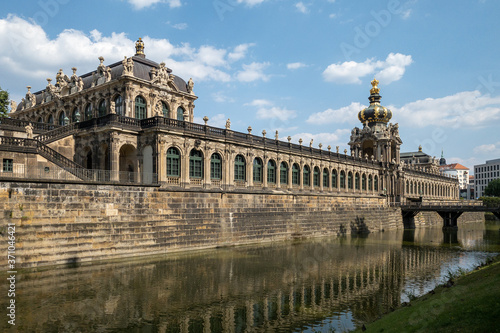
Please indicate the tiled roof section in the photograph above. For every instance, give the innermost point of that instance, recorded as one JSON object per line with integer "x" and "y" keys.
{"x": 454, "y": 166}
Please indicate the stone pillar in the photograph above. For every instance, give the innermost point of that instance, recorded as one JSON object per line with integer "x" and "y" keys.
{"x": 264, "y": 172}
{"x": 114, "y": 158}
{"x": 321, "y": 171}
{"x": 185, "y": 168}
{"x": 278, "y": 173}
{"x": 249, "y": 171}
{"x": 206, "y": 169}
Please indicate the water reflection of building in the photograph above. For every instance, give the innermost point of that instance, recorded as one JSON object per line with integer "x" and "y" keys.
{"x": 270, "y": 288}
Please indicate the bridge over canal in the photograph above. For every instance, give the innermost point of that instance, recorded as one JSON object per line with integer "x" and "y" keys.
{"x": 449, "y": 211}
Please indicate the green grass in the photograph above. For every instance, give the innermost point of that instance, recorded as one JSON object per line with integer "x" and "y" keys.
{"x": 472, "y": 304}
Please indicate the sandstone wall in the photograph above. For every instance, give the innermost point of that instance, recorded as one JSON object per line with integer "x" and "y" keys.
{"x": 67, "y": 223}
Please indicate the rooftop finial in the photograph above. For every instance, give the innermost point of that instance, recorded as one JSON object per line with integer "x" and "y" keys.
{"x": 420, "y": 148}
{"x": 375, "y": 89}
{"x": 139, "y": 48}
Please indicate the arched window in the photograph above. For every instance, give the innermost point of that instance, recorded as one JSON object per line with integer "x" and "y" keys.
{"x": 164, "y": 108}
{"x": 356, "y": 181}
{"x": 316, "y": 176}
{"x": 375, "y": 183}
{"x": 239, "y": 168}
{"x": 196, "y": 164}
{"x": 173, "y": 162}
{"x": 411, "y": 187}
{"x": 102, "y": 108}
{"x": 60, "y": 121}
{"x": 283, "y": 173}
{"x": 325, "y": 178}
{"x": 342, "y": 179}
{"x": 295, "y": 174}
{"x": 180, "y": 113}
{"x": 75, "y": 115}
{"x": 334, "y": 178}
{"x": 88, "y": 112}
{"x": 307, "y": 176}
{"x": 271, "y": 172}
{"x": 50, "y": 120}
{"x": 349, "y": 180}
{"x": 216, "y": 167}
{"x": 257, "y": 170}
{"x": 363, "y": 182}
{"x": 40, "y": 120}
{"x": 140, "y": 107}
{"x": 407, "y": 187}
{"x": 119, "y": 105}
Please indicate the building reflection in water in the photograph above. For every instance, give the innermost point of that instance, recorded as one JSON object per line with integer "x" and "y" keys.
{"x": 324, "y": 283}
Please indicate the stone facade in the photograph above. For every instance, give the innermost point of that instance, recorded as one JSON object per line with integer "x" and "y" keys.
{"x": 63, "y": 223}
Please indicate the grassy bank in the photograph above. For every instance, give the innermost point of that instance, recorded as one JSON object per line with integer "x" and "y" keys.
{"x": 471, "y": 303}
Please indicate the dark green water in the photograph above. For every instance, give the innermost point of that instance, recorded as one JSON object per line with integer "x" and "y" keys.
{"x": 320, "y": 285}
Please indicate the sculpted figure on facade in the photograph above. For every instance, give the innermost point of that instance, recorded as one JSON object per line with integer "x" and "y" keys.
{"x": 30, "y": 98}
{"x": 158, "y": 108}
{"x": 228, "y": 123}
{"x": 13, "y": 105}
{"x": 62, "y": 79}
{"x": 128, "y": 66}
{"x": 190, "y": 86}
{"x": 29, "y": 131}
{"x": 79, "y": 84}
{"x": 112, "y": 107}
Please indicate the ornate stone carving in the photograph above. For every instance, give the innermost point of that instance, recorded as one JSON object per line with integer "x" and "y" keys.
{"x": 128, "y": 66}
{"x": 30, "y": 100}
{"x": 190, "y": 86}
{"x": 112, "y": 107}
{"x": 228, "y": 124}
{"x": 29, "y": 131}
{"x": 13, "y": 105}
{"x": 161, "y": 75}
{"x": 62, "y": 79}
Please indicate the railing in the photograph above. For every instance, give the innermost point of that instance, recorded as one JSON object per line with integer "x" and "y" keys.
{"x": 58, "y": 133}
{"x": 16, "y": 124}
{"x": 92, "y": 176}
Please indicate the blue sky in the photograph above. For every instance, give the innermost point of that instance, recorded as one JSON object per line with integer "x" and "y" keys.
{"x": 301, "y": 67}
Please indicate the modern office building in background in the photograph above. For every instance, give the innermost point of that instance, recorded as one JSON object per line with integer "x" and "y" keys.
{"x": 484, "y": 174}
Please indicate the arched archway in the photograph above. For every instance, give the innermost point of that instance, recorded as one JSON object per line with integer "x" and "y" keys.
{"x": 128, "y": 163}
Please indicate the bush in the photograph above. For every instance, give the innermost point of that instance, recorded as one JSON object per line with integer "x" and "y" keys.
{"x": 490, "y": 201}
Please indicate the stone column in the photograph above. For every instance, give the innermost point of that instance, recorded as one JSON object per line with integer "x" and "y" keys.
{"x": 264, "y": 172}
{"x": 206, "y": 169}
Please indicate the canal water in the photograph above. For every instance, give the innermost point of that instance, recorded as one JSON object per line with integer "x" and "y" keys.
{"x": 320, "y": 285}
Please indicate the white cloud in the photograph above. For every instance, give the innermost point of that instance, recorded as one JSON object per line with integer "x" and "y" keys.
{"x": 346, "y": 114}
{"x": 260, "y": 102}
{"x": 253, "y": 72}
{"x": 274, "y": 112}
{"x": 295, "y": 65}
{"x": 239, "y": 52}
{"x": 488, "y": 149}
{"x": 180, "y": 26}
{"x": 251, "y": 3}
{"x": 29, "y": 55}
{"x": 218, "y": 120}
{"x": 220, "y": 97}
{"x": 390, "y": 70}
{"x": 301, "y": 7}
{"x": 141, "y": 4}
{"x": 337, "y": 138}
{"x": 465, "y": 109}
{"x": 267, "y": 110}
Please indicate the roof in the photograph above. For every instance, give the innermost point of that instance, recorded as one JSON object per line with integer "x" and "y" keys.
{"x": 142, "y": 69}
{"x": 454, "y": 166}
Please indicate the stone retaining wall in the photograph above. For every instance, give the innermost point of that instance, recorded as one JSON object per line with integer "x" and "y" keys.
{"x": 67, "y": 223}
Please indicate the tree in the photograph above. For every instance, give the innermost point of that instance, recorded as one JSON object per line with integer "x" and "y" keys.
{"x": 493, "y": 188}
{"x": 4, "y": 103}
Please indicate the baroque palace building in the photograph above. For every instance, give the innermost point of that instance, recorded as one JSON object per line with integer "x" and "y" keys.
{"x": 132, "y": 121}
